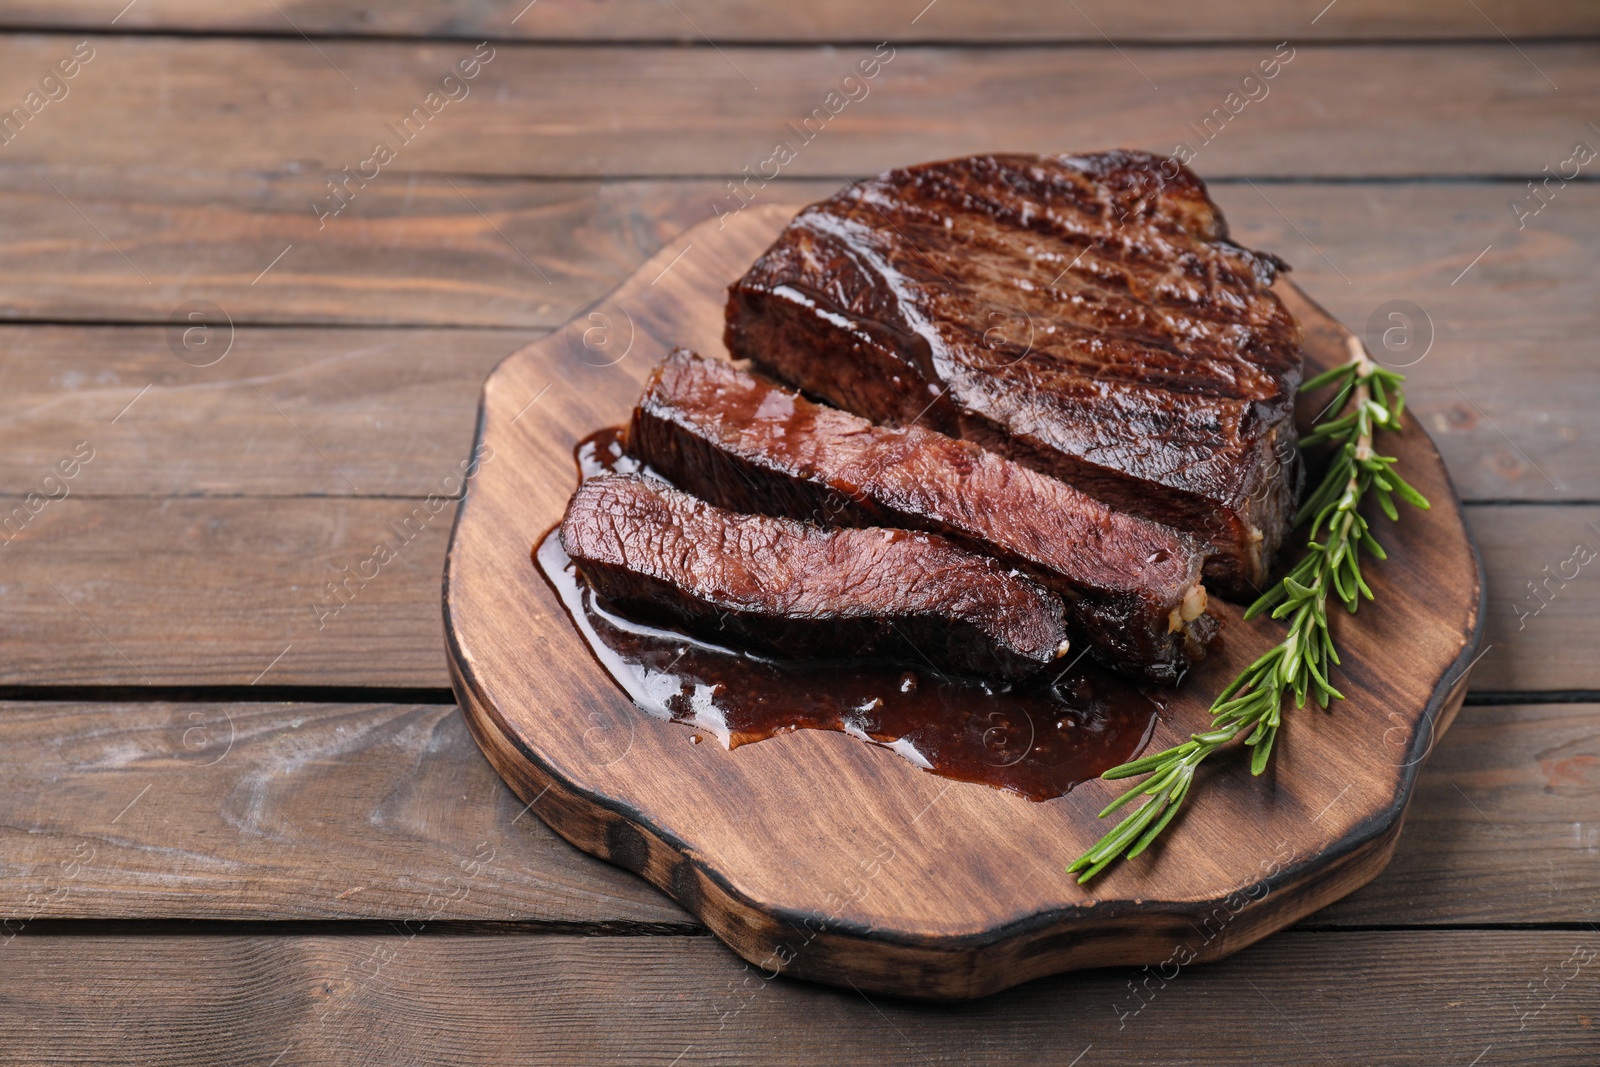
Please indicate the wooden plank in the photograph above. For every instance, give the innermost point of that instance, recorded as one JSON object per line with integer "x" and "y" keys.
{"x": 1370, "y": 998}
{"x": 258, "y": 104}
{"x": 1441, "y": 282}
{"x": 1542, "y": 610}
{"x": 1496, "y": 389}
{"x": 1497, "y": 831}
{"x": 414, "y": 250}
{"x": 282, "y": 811}
{"x": 228, "y": 592}
{"x": 418, "y": 253}
{"x": 966, "y": 21}
{"x": 210, "y": 591}
{"x": 279, "y": 412}
{"x": 317, "y": 811}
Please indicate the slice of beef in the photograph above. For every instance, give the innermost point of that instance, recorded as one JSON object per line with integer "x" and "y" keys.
{"x": 1084, "y": 315}
{"x": 740, "y": 441}
{"x": 798, "y": 591}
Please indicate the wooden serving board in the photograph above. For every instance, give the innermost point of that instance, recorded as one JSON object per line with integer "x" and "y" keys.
{"x": 818, "y": 856}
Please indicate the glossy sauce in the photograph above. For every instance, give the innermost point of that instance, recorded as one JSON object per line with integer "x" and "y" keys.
{"x": 1037, "y": 740}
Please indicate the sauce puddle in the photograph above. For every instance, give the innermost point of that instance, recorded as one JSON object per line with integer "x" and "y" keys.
{"x": 1038, "y": 739}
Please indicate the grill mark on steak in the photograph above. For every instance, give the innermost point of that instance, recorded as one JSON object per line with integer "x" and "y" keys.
{"x": 1158, "y": 371}
{"x": 749, "y": 445}
{"x": 789, "y": 589}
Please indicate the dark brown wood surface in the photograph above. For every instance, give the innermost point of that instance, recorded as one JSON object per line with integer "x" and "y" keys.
{"x": 966, "y": 21}
{"x": 414, "y": 995}
{"x": 195, "y": 157}
{"x": 233, "y": 104}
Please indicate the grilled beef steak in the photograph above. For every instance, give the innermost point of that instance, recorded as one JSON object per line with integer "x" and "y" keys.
{"x": 748, "y": 445}
{"x": 799, "y": 591}
{"x": 1084, "y": 315}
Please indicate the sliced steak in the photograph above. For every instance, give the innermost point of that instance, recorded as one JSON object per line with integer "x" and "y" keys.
{"x": 798, "y": 591}
{"x": 1084, "y": 315}
{"x": 724, "y": 434}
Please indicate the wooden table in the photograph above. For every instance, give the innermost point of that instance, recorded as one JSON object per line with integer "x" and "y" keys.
{"x": 238, "y": 825}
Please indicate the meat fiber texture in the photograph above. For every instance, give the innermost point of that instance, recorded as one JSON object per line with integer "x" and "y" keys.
{"x": 798, "y": 591}
{"x": 1086, "y": 316}
{"x": 726, "y": 435}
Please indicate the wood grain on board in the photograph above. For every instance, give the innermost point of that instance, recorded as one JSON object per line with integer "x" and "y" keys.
{"x": 692, "y": 21}
{"x": 259, "y": 104}
{"x": 770, "y": 844}
{"x": 376, "y": 811}
{"x": 1389, "y": 999}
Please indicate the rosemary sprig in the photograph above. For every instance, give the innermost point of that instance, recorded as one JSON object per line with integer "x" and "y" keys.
{"x": 1368, "y": 398}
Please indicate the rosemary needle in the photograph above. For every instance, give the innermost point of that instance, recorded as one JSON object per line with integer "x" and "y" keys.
{"x": 1367, "y": 398}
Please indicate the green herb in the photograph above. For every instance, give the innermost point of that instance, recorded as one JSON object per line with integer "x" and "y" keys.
{"x": 1369, "y": 398}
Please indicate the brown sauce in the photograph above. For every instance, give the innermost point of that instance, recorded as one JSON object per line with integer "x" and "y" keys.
{"x": 1037, "y": 740}
{"x": 601, "y": 453}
